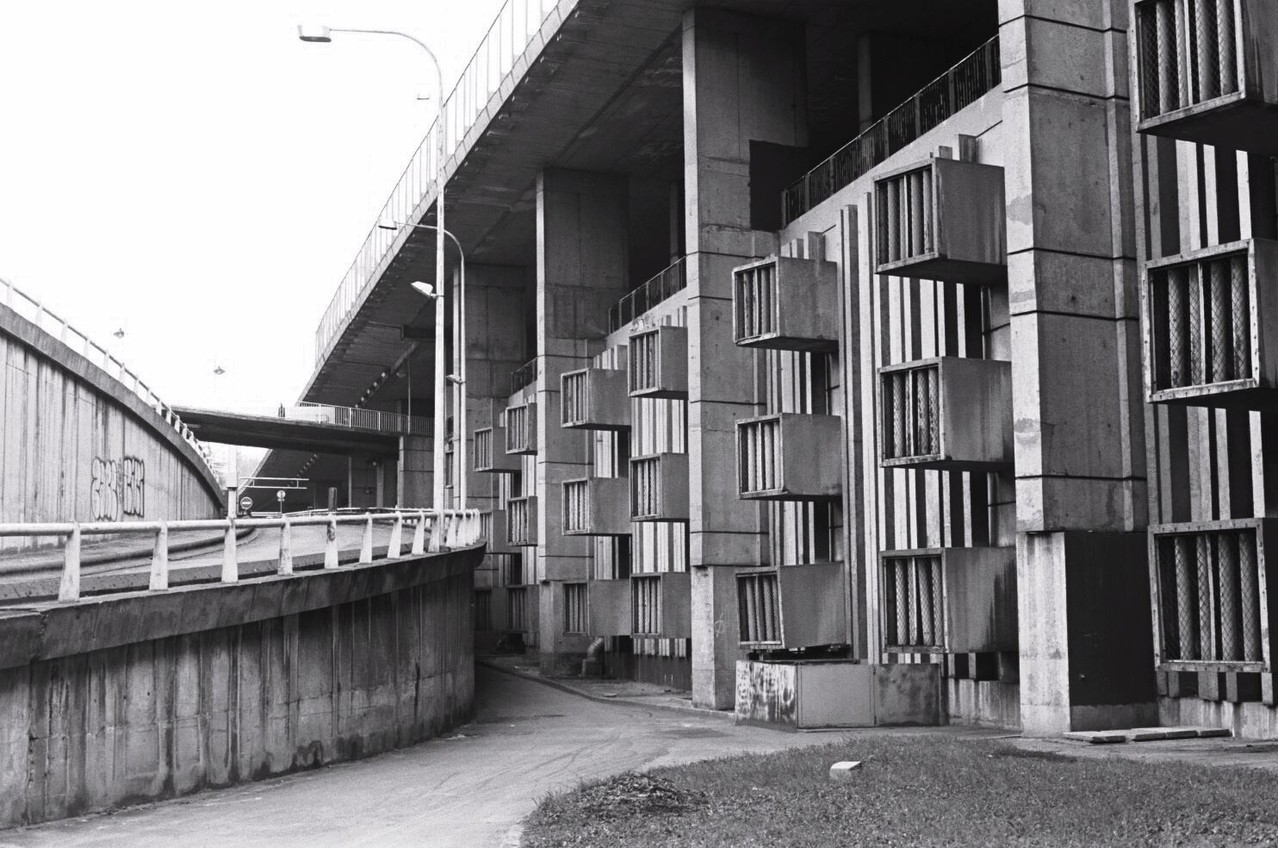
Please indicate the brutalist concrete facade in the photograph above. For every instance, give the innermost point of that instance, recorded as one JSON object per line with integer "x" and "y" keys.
{"x": 942, "y": 335}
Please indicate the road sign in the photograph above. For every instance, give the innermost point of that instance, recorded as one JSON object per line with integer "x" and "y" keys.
{"x": 279, "y": 496}
{"x": 246, "y": 503}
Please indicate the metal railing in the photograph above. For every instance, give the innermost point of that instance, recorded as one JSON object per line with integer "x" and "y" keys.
{"x": 35, "y": 312}
{"x": 457, "y": 528}
{"x": 358, "y": 419}
{"x": 673, "y": 278}
{"x": 523, "y": 376}
{"x": 965, "y": 83}
{"x": 508, "y": 38}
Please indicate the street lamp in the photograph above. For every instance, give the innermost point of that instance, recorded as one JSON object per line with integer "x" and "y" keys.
{"x": 459, "y": 330}
{"x": 323, "y": 35}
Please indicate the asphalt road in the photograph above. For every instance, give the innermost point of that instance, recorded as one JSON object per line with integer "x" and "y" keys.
{"x": 469, "y": 789}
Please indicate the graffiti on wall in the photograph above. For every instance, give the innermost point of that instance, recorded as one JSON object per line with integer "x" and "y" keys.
{"x": 118, "y": 488}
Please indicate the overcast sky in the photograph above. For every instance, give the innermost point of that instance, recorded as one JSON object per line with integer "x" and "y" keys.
{"x": 196, "y": 176}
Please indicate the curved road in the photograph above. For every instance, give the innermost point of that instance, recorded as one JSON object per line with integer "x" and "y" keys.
{"x": 469, "y": 789}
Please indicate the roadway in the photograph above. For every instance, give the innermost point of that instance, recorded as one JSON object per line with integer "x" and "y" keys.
{"x": 467, "y": 790}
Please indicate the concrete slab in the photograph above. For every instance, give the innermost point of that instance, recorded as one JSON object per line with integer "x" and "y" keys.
{"x": 1097, "y": 737}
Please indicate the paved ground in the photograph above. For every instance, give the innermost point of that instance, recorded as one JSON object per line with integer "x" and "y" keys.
{"x": 472, "y": 789}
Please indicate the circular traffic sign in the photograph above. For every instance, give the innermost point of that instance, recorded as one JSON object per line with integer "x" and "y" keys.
{"x": 246, "y": 503}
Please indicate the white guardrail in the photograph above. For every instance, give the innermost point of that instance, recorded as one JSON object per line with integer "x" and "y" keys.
{"x": 457, "y": 528}
{"x": 35, "y": 312}
{"x": 507, "y": 39}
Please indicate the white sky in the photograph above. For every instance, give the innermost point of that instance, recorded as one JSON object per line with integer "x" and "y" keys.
{"x": 195, "y": 175}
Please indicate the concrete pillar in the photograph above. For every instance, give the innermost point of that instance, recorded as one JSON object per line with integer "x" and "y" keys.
{"x": 1072, "y": 292}
{"x": 582, "y": 269}
{"x": 497, "y": 306}
{"x": 743, "y": 82}
{"x": 414, "y": 479}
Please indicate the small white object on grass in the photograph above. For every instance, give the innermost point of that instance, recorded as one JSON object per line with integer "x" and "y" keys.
{"x": 843, "y": 770}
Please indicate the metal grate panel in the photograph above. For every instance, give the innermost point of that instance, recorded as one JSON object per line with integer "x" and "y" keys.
{"x": 1187, "y": 52}
{"x": 1209, "y": 596}
{"x": 756, "y": 301}
{"x": 913, "y": 597}
{"x": 906, "y": 216}
{"x": 911, "y": 413}
{"x": 575, "y": 611}
{"x": 1201, "y": 322}
{"x": 646, "y": 605}
{"x": 757, "y": 608}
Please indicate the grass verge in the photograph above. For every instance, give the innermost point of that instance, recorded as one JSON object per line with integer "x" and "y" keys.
{"x": 915, "y": 791}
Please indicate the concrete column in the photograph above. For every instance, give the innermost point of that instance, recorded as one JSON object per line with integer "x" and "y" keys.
{"x": 414, "y": 479}
{"x": 497, "y": 306}
{"x": 1072, "y": 291}
{"x": 582, "y": 269}
{"x": 743, "y": 81}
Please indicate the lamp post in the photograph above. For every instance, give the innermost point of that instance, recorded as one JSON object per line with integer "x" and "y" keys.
{"x": 459, "y": 379}
{"x": 323, "y": 35}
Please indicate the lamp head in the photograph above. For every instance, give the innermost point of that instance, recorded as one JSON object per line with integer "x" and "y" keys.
{"x": 314, "y": 34}
{"x": 425, "y": 289}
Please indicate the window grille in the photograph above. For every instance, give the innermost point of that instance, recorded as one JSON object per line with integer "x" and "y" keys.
{"x": 484, "y": 449}
{"x": 575, "y": 403}
{"x": 645, "y": 366}
{"x": 756, "y": 301}
{"x": 1201, "y": 317}
{"x": 758, "y": 464}
{"x": 1187, "y": 50}
{"x": 912, "y": 598}
{"x": 521, "y": 429}
{"x": 906, "y": 220}
{"x": 522, "y": 517}
{"x": 911, "y": 413}
{"x": 646, "y": 604}
{"x": 1209, "y": 596}
{"x": 516, "y": 611}
{"x": 577, "y": 506}
{"x": 757, "y": 608}
{"x": 484, "y": 609}
{"x": 575, "y": 608}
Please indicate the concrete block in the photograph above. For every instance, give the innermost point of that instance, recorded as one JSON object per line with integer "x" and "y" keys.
{"x": 1211, "y": 732}
{"x": 843, "y": 770}
{"x": 1097, "y": 737}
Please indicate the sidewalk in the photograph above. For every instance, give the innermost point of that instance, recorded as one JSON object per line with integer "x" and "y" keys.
{"x": 601, "y": 689}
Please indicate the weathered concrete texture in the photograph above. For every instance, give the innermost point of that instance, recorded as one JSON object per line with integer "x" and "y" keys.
{"x": 1249, "y": 720}
{"x": 158, "y": 695}
{"x": 76, "y": 445}
{"x": 983, "y": 703}
{"x": 838, "y": 694}
{"x": 1086, "y": 644}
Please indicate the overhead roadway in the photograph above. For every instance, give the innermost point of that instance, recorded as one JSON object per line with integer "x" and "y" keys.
{"x": 269, "y": 431}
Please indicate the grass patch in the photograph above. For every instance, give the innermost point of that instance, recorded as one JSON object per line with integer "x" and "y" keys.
{"x": 914, "y": 791}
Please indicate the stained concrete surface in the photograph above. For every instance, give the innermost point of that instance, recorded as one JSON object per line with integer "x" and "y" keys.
{"x": 468, "y": 789}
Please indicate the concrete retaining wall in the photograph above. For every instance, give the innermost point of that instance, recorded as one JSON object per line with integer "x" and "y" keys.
{"x": 115, "y": 700}
{"x": 76, "y": 445}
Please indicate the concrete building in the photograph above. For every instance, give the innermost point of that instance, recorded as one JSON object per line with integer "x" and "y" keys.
{"x": 940, "y": 332}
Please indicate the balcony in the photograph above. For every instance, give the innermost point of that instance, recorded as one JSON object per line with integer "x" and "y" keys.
{"x": 661, "y": 605}
{"x": 521, "y": 522}
{"x": 794, "y": 605}
{"x": 610, "y": 612}
{"x": 786, "y": 304}
{"x": 942, "y": 220}
{"x": 949, "y": 600}
{"x": 661, "y": 287}
{"x": 947, "y": 413}
{"x": 790, "y": 457}
{"x": 490, "y": 453}
{"x": 597, "y": 506}
{"x": 659, "y": 363}
{"x": 594, "y": 399}
{"x": 492, "y": 529}
{"x": 521, "y": 428}
{"x": 1208, "y": 72}
{"x": 1213, "y": 327}
{"x": 1213, "y": 594}
{"x": 659, "y": 487}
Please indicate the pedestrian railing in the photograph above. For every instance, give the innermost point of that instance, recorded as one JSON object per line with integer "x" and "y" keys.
{"x": 432, "y": 530}
{"x": 35, "y": 312}
{"x": 356, "y": 418}
{"x": 515, "y": 30}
